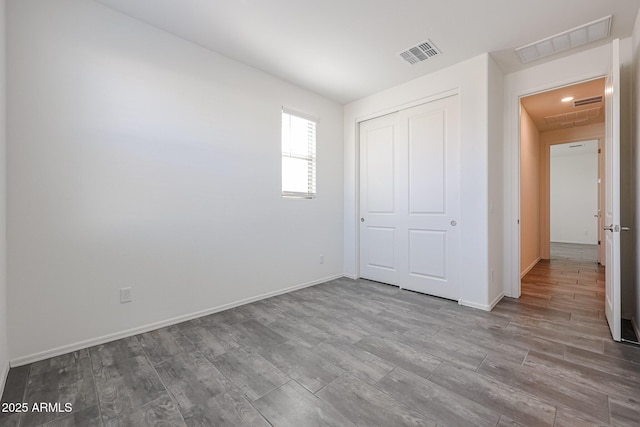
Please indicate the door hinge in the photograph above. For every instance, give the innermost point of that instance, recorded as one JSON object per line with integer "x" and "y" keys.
{"x": 599, "y": 150}
{"x": 598, "y": 242}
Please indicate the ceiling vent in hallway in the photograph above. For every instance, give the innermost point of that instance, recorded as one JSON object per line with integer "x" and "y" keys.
{"x": 566, "y": 40}
{"x": 576, "y": 118}
{"x": 587, "y": 101}
{"x": 421, "y": 52}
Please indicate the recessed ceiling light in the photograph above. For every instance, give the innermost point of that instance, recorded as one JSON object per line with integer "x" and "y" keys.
{"x": 566, "y": 40}
{"x": 567, "y": 99}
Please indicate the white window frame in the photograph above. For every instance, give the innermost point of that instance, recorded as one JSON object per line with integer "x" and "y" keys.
{"x": 310, "y": 156}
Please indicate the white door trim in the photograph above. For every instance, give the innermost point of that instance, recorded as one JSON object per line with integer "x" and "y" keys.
{"x": 512, "y": 286}
{"x": 406, "y": 105}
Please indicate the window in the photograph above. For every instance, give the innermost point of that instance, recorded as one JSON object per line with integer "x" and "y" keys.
{"x": 298, "y": 156}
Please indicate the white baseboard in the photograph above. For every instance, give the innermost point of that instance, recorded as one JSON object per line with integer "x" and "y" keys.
{"x": 575, "y": 243}
{"x": 3, "y": 376}
{"x": 528, "y": 269}
{"x": 350, "y": 276}
{"x": 36, "y": 357}
{"x": 485, "y": 307}
{"x": 496, "y": 300}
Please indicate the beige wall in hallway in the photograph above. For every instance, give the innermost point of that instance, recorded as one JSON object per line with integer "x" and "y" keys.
{"x": 529, "y": 193}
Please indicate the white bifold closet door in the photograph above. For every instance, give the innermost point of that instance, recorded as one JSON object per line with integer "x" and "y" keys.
{"x": 409, "y": 198}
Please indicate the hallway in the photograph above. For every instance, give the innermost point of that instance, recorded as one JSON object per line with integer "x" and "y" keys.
{"x": 571, "y": 282}
{"x": 563, "y": 300}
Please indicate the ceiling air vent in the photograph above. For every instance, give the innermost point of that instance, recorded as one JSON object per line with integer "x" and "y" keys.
{"x": 575, "y": 118}
{"x": 587, "y": 101}
{"x": 421, "y": 52}
{"x": 587, "y": 33}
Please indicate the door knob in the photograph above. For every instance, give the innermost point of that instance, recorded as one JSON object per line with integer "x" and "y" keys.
{"x": 361, "y": 219}
{"x": 608, "y": 227}
{"x": 454, "y": 223}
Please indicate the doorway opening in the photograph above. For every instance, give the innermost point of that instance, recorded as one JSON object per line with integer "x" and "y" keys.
{"x": 573, "y": 196}
{"x": 568, "y": 115}
{"x": 562, "y": 135}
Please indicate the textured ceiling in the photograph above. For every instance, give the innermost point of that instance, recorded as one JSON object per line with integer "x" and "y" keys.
{"x": 346, "y": 50}
{"x": 549, "y": 104}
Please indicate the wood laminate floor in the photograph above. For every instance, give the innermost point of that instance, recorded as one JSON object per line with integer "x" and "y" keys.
{"x": 349, "y": 353}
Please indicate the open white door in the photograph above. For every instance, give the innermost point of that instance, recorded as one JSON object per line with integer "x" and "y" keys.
{"x": 612, "y": 194}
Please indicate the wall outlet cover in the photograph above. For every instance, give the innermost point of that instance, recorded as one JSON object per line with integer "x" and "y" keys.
{"x": 125, "y": 295}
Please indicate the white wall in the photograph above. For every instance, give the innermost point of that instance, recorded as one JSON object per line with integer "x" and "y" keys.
{"x": 628, "y": 259}
{"x": 496, "y": 183}
{"x": 138, "y": 159}
{"x": 636, "y": 145}
{"x": 574, "y": 195}
{"x": 4, "y": 348}
{"x": 470, "y": 79}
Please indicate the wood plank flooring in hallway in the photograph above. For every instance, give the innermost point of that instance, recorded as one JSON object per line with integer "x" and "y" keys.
{"x": 358, "y": 353}
{"x": 571, "y": 282}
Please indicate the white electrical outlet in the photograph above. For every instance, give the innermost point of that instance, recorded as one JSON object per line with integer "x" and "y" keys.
{"x": 125, "y": 295}
{"x": 321, "y": 259}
